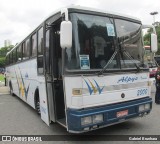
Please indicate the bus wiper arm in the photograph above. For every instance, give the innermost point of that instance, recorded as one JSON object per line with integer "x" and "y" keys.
{"x": 129, "y": 56}
{"x": 111, "y": 59}
{"x": 123, "y": 50}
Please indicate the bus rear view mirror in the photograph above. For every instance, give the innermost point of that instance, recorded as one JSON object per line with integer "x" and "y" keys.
{"x": 66, "y": 34}
{"x": 154, "y": 43}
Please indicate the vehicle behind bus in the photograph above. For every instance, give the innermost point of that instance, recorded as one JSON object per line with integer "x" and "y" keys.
{"x": 150, "y": 61}
{"x": 157, "y": 59}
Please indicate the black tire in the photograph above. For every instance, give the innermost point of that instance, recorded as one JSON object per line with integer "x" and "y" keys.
{"x": 38, "y": 106}
{"x": 11, "y": 89}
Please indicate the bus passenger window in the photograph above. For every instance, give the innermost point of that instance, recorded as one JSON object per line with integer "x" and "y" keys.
{"x": 19, "y": 53}
{"x": 34, "y": 45}
{"x": 47, "y": 52}
{"x": 40, "y": 52}
{"x": 26, "y": 49}
{"x": 14, "y": 55}
{"x": 11, "y": 58}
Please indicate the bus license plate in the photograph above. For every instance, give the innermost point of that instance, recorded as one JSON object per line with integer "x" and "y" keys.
{"x": 122, "y": 113}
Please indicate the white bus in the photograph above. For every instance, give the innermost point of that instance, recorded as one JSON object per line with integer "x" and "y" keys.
{"x": 82, "y": 68}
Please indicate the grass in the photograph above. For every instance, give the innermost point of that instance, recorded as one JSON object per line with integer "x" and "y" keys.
{"x": 1, "y": 77}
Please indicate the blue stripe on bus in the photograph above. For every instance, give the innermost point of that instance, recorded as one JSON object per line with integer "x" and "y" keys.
{"x": 109, "y": 112}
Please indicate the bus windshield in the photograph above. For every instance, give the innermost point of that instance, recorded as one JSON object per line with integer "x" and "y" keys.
{"x": 95, "y": 40}
{"x": 149, "y": 58}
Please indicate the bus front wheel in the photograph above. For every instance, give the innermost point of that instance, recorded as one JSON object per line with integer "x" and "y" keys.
{"x": 38, "y": 107}
{"x": 11, "y": 89}
{"x": 37, "y": 102}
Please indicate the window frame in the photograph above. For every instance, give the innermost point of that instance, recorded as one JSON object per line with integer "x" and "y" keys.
{"x": 31, "y": 44}
{"x": 39, "y": 45}
{"x": 21, "y": 52}
{"x": 14, "y": 59}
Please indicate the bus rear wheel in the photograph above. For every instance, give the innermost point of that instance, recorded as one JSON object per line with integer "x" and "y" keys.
{"x": 11, "y": 89}
{"x": 38, "y": 106}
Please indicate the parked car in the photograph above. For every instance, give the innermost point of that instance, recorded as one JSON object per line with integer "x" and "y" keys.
{"x": 152, "y": 69}
{"x": 2, "y": 70}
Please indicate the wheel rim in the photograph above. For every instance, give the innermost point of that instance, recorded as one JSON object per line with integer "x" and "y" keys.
{"x": 11, "y": 91}
{"x": 38, "y": 107}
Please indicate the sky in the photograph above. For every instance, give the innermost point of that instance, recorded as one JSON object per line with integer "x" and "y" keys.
{"x": 18, "y": 18}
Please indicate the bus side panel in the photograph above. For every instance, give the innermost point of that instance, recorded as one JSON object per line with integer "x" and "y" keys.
{"x": 14, "y": 83}
{"x": 13, "y": 80}
{"x": 25, "y": 82}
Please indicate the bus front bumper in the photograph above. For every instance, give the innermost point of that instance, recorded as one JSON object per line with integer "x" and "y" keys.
{"x": 83, "y": 120}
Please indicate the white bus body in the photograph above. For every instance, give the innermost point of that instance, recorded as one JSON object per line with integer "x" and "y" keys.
{"x": 81, "y": 99}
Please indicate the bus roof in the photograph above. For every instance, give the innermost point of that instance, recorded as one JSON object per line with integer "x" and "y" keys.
{"x": 82, "y": 9}
{"x": 96, "y": 10}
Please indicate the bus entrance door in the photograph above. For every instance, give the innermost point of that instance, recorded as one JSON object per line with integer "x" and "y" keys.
{"x": 54, "y": 76}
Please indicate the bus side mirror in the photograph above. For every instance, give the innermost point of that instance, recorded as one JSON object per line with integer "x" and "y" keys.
{"x": 66, "y": 34}
{"x": 154, "y": 43}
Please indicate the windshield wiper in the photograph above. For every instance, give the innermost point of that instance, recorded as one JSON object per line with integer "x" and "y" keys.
{"x": 130, "y": 57}
{"x": 111, "y": 59}
{"x": 123, "y": 50}
{"x": 120, "y": 50}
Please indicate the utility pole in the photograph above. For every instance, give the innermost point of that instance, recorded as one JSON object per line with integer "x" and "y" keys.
{"x": 153, "y": 14}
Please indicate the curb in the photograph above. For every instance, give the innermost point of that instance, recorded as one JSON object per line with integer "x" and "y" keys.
{"x": 2, "y": 82}
{"x": 3, "y": 89}
{"x": 4, "y": 94}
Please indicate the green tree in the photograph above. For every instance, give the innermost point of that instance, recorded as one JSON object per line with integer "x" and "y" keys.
{"x": 158, "y": 33}
{"x": 148, "y": 35}
{"x": 2, "y": 61}
{"x": 158, "y": 37}
{"x": 3, "y": 52}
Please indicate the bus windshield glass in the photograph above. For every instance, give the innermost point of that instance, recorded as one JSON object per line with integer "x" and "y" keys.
{"x": 95, "y": 40}
{"x": 149, "y": 58}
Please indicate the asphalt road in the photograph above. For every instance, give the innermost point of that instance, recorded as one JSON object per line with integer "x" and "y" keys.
{"x": 17, "y": 118}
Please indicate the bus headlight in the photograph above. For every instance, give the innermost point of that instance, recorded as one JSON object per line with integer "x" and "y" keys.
{"x": 141, "y": 108}
{"x": 97, "y": 118}
{"x": 144, "y": 107}
{"x": 86, "y": 120}
{"x": 147, "y": 106}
